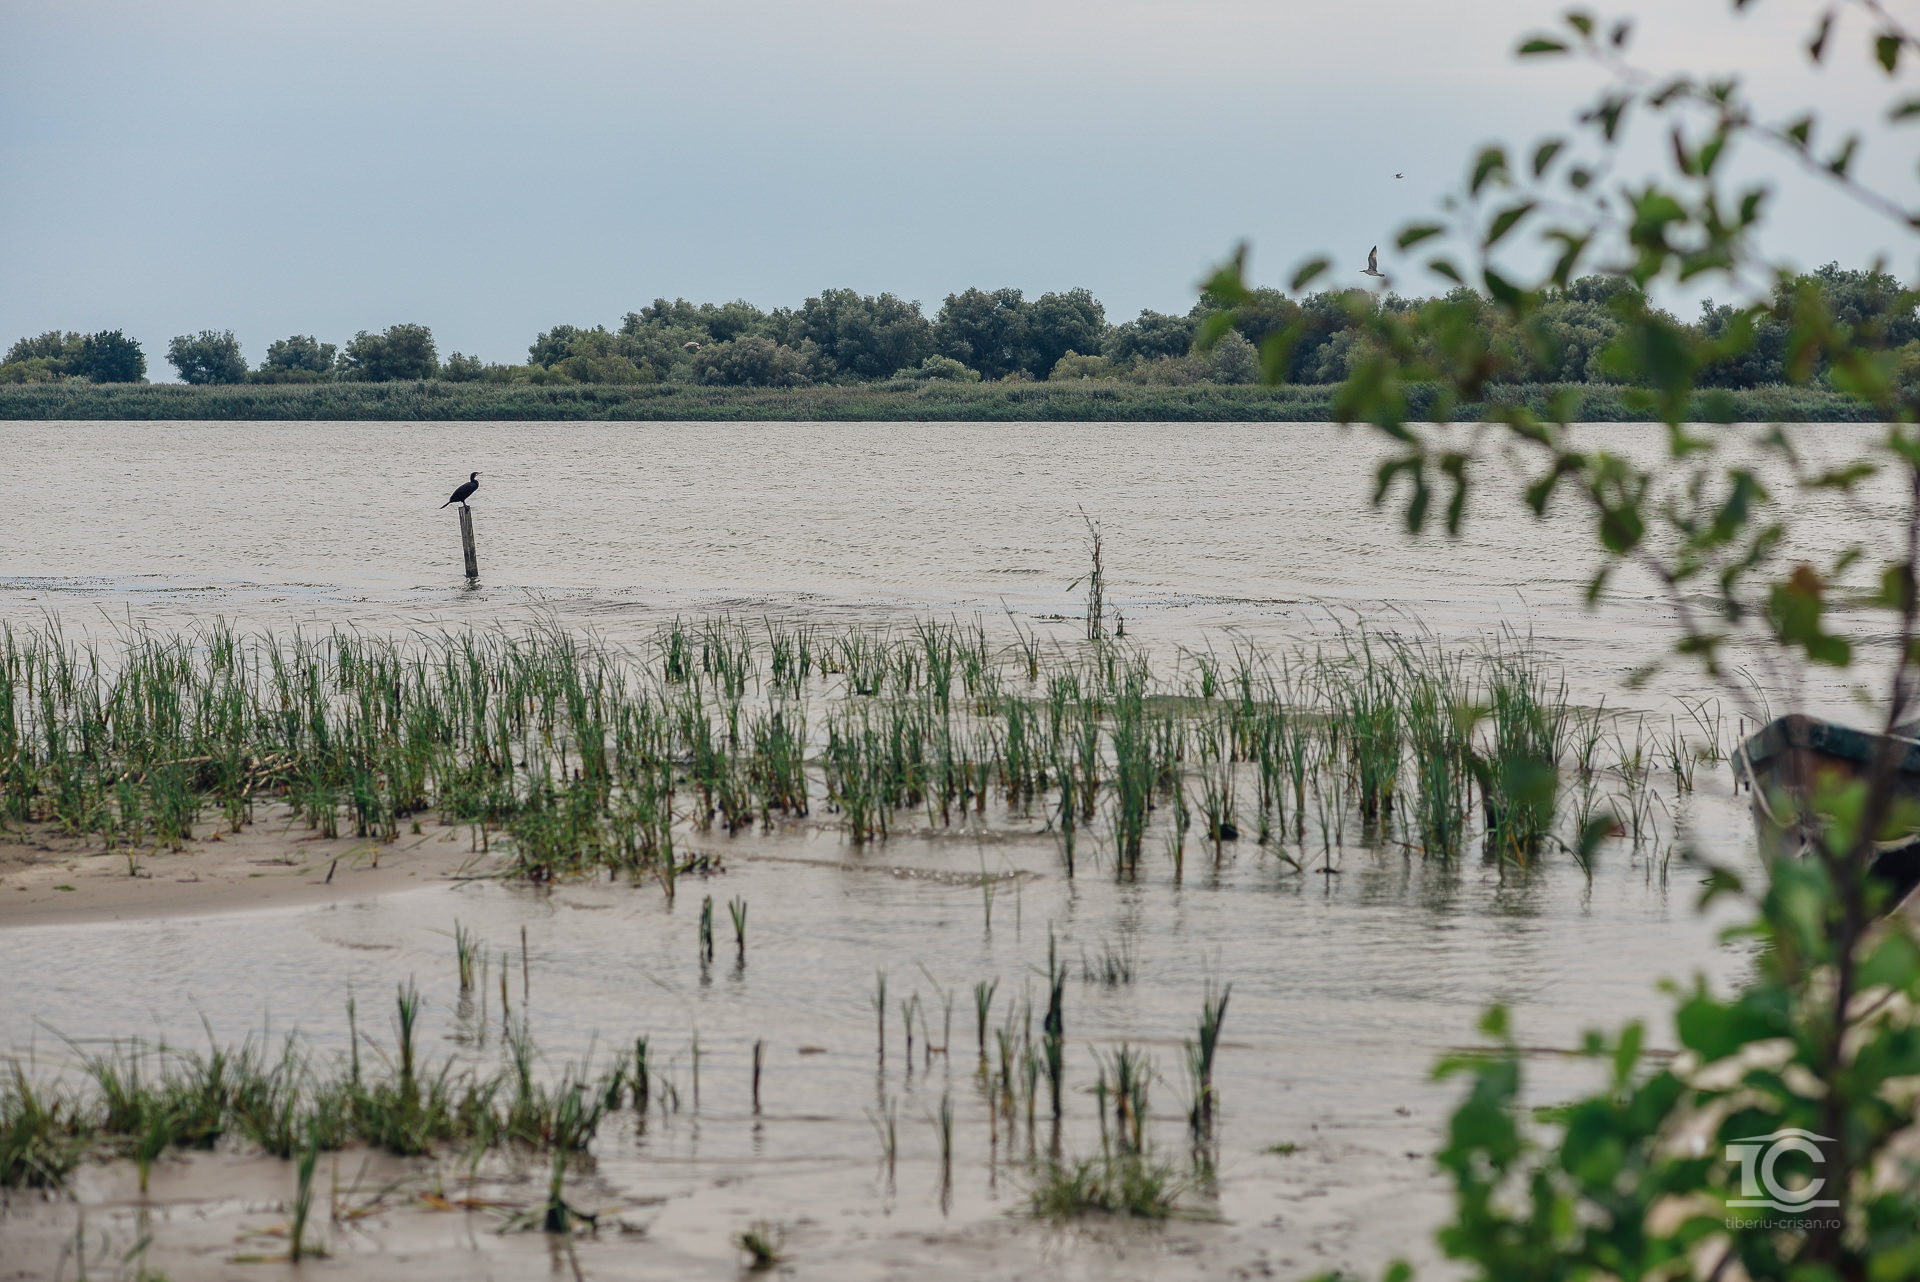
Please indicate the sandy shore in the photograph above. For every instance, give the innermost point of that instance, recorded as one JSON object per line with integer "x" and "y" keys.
{"x": 275, "y": 861}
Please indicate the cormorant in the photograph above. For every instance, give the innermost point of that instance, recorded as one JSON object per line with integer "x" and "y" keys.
{"x": 1373, "y": 263}
{"x": 465, "y": 492}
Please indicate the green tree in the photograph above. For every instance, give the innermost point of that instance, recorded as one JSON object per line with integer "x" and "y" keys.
{"x": 660, "y": 346}
{"x": 1149, "y": 336}
{"x": 1234, "y": 360}
{"x": 110, "y": 357}
{"x": 211, "y": 356}
{"x": 401, "y": 352}
{"x": 463, "y": 369}
{"x": 663, "y": 336}
{"x": 1869, "y": 303}
{"x": 864, "y": 337}
{"x": 1259, "y": 313}
{"x": 986, "y": 331}
{"x": 1074, "y": 366}
{"x": 708, "y": 322}
{"x": 301, "y": 351}
{"x": 556, "y": 344}
{"x": 44, "y": 358}
{"x": 52, "y": 345}
{"x": 940, "y": 369}
{"x": 598, "y": 356}
{"x": 1317, "y": 320}
{"x": 38, "y": 369}
{"x": 1075, "y": 321}
{"x": 1576, "y": 326}
{"x": 751, "y": 361}
{"x": 299, "y": 358}
{"x": 729, "y": 321}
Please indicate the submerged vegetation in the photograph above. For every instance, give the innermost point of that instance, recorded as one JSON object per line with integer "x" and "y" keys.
{"x": 1113, "y": 1184}
{"x": 143, "y": 1100}
{"x": 575, "y": 758}
{"x": 568, "y": 758}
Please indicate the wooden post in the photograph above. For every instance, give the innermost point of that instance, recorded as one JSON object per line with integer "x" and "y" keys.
{"x": 466, "y": 541}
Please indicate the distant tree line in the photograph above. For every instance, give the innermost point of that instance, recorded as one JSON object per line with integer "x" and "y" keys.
{"x": 843, "y": 337}
{"x": 107, "y": 357}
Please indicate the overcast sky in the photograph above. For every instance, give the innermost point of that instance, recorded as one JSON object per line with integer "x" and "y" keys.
{"x": 491, "y": 169}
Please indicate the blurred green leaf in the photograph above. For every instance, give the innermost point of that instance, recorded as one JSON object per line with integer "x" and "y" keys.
{"x": 1489, "y": 165}
{"x": 1797, "y": 607}
{"x": 1307, "y": 273}
{"x": 1227, "y": 285}
{"x": 1503, "y": 291}
{"x": 1212, "y": 330}
{"x": 1817, "y": 47}
{"x": 1506, "y": 220}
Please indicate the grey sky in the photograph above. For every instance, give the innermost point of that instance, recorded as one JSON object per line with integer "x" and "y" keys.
{"x": 491, "y": 169}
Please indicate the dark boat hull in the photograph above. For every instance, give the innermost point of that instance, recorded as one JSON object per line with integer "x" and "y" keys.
{"x": 1789, "y": 756}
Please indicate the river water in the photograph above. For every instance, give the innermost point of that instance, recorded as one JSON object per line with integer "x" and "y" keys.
{"x": 1346, "y": 984}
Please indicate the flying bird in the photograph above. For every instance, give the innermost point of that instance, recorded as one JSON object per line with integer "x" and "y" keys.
{"x": 1373, "y": 264}
{"x": 1399, "y": 175}
{"x": 465, "y": 492}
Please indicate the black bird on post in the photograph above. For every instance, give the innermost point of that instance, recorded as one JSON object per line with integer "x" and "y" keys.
{"x": 461, "y": 496}
{"x": 465, "y": 492}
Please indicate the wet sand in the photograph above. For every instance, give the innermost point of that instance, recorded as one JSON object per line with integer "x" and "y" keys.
{"x": 273, "y": 862}
{"x": 225, "y": 1216}
{"x": 1323, "y": 1056}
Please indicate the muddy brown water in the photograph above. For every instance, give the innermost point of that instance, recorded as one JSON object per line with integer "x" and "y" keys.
{"x": 1347, "y": 984}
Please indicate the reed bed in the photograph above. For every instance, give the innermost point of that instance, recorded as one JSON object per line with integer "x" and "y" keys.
{"x": 140, "y": 1100}
{"x": 135, "y": 1099}
{"x": 1076, "y": 400}
{"x": 588, "y": 759}
{"x": 573, "y": 758}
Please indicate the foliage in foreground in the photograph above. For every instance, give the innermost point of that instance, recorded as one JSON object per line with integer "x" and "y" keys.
{"x": 1677, "y": 1170}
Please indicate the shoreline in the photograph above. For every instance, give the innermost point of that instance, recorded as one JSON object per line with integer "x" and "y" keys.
{"x": 272, "y": 862}
{"x": 1081, "y": 401}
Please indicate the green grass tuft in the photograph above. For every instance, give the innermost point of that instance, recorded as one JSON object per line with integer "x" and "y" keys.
{"x": 1126, "y": 1184}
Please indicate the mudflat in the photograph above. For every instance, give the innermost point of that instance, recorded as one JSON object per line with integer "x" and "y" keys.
{"x": 274, "y": 861}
